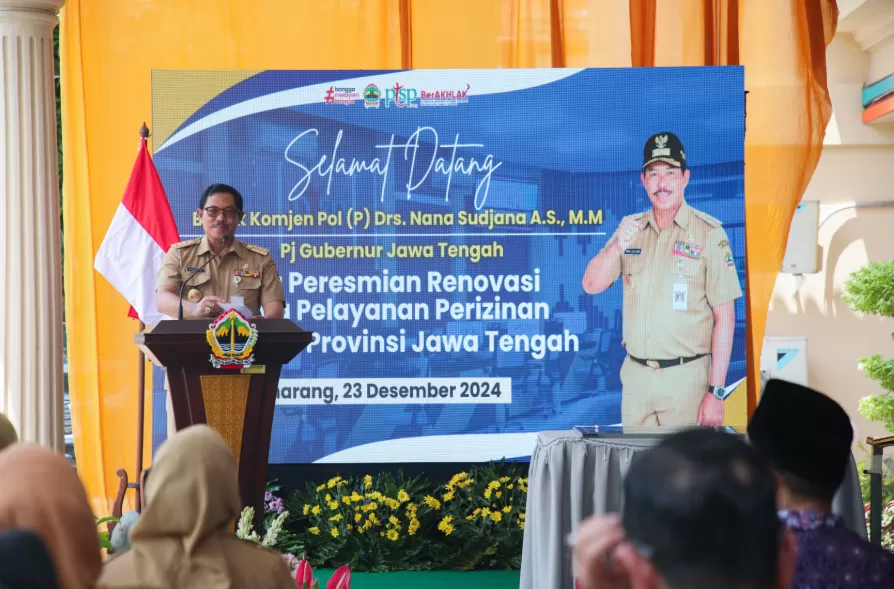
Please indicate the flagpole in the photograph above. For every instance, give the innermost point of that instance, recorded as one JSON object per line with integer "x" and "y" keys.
{"x": 144, "y": 212}
{"x": 141, "y": 385}
{"x": 141, "y": 402}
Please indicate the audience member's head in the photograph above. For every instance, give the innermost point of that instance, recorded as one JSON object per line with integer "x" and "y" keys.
{"x": 193, "y": 490}
{"x": 703, "y": 504}
{"x": 807, "y": 438}
{"x": 8, "y": 435}
{"x": 192, "y": 498}
{"x": 700, "y": 513}
{"x": 25, "y": 562}
{"x": 184, "y": 537}
{"x": 40, "y": 491}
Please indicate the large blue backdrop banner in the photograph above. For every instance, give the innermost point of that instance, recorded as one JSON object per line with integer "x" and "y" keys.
{"x": 433, "y": 228}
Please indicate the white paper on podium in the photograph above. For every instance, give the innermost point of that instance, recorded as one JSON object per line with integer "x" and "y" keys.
{"x": 237, "y": 303}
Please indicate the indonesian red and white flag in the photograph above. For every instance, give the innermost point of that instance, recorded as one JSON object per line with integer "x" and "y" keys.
{"x": 140, "y": 235}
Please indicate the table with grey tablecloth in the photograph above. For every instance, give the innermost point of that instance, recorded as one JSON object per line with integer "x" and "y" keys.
{"x": 572, "y": 477}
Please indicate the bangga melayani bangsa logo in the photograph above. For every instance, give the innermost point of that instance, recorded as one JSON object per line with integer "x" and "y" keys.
{"x": 232, "y": 338}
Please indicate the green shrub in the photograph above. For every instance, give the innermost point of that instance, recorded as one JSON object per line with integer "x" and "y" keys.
{"x": 385, "y": 522}
{"x": 871, "y": 290}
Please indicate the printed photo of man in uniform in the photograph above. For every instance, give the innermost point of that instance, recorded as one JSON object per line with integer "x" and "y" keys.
{"x": 680, "y": 286}
{"x": 239, "y": 269}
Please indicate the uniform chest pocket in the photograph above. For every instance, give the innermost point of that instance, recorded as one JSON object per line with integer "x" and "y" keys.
{"x": 195, "y": 280}
{"x": 250, "y": 290}
{"x": 632, "y": 264}
{"x": 690, "y": 268}
{"x": 247, "y": 283}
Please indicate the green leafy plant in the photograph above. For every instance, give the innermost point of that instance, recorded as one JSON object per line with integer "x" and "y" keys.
{"x": 871, "y": 290}
{"x": 387, "y": 522}
{"x": 245, "y": 529}
{"x": 287, "y": 541}
{"x": 104, "y": 539}
{"x": 887, "y": 524}
{"x": 887, "y": 497}
{"x": 483, "y": 518}
{"x": 373, "y": 523}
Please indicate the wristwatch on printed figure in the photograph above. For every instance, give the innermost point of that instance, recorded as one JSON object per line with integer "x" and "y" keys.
{"x": 718, "y": 392}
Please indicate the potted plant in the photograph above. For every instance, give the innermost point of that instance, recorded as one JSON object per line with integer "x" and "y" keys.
{"x": 301, "y": 570}
{"x": 871, "y": 290}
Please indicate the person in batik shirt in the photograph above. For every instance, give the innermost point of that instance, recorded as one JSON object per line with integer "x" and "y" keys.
{"x": 807, "y": 437}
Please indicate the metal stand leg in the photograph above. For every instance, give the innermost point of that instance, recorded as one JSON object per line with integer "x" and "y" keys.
{"x": 875, "y": 496}
{"x": 875, "y": 473}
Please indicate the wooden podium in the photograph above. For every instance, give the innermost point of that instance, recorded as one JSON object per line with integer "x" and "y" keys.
{"x": 238, "y": 403}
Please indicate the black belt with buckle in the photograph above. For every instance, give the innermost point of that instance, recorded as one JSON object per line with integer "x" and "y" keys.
{"x": 656, "y": 364}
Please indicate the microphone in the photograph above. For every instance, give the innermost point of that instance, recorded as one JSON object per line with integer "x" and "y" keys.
{"x": 223, "y": 244}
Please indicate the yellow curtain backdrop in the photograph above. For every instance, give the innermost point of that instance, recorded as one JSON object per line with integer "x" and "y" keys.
{"x": 109, "y": 48}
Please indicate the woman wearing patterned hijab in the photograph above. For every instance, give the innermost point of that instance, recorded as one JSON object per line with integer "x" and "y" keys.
{"x": 8, "y": 435}
{"x": 41, "y": 492}
{"x": 183, "y": 538}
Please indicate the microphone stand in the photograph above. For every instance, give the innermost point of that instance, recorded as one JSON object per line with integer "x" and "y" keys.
{"x": 223, "y": 244}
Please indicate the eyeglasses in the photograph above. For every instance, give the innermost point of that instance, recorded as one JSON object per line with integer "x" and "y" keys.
{"x": 215, "y": 211}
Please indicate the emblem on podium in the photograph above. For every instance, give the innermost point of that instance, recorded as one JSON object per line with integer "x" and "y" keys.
{"x": 232, "y": 338}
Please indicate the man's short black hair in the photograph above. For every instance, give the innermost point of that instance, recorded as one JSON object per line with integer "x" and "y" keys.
{"x": 221, "y": 189}
{"x": 704, "y": 505}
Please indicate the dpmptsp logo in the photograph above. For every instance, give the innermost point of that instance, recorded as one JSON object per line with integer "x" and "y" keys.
{"x": 401, "y": 97}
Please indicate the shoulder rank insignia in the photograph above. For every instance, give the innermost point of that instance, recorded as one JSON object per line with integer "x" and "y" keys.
{"x": 186, "y": 243}
{"x": 257, "y": 249}
{"x": 707, "y": 218}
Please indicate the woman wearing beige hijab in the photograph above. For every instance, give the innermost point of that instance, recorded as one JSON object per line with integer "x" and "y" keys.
{"x": 41, "y": 492}
{"x": 183, "y": 538}
{"x": 8, "y": 435}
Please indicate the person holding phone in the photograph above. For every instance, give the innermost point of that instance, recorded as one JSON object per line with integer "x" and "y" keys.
{"x": 680, "y": 286}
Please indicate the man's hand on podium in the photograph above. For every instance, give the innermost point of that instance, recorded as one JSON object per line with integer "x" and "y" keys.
{"x": 207, "y": 307}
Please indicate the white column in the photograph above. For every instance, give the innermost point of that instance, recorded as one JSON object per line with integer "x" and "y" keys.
{"x": 31, "y": 386}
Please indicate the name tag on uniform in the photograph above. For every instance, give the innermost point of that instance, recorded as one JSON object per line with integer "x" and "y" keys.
{"x": 681, "y": 296}
{"x": 196, "y": 270}
{"x": 632, "y": 251}
{"x": 687, "y": 250}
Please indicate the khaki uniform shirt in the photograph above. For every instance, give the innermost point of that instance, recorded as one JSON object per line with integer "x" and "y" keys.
{"x": 692, "y": 260}
{"x": 244, "y": 270}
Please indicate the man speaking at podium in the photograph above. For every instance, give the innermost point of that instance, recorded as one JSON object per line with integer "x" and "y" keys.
{"x": 216, "y": 267}
{"x": 212, "y": 269}
{"x": 680, "y": 287}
